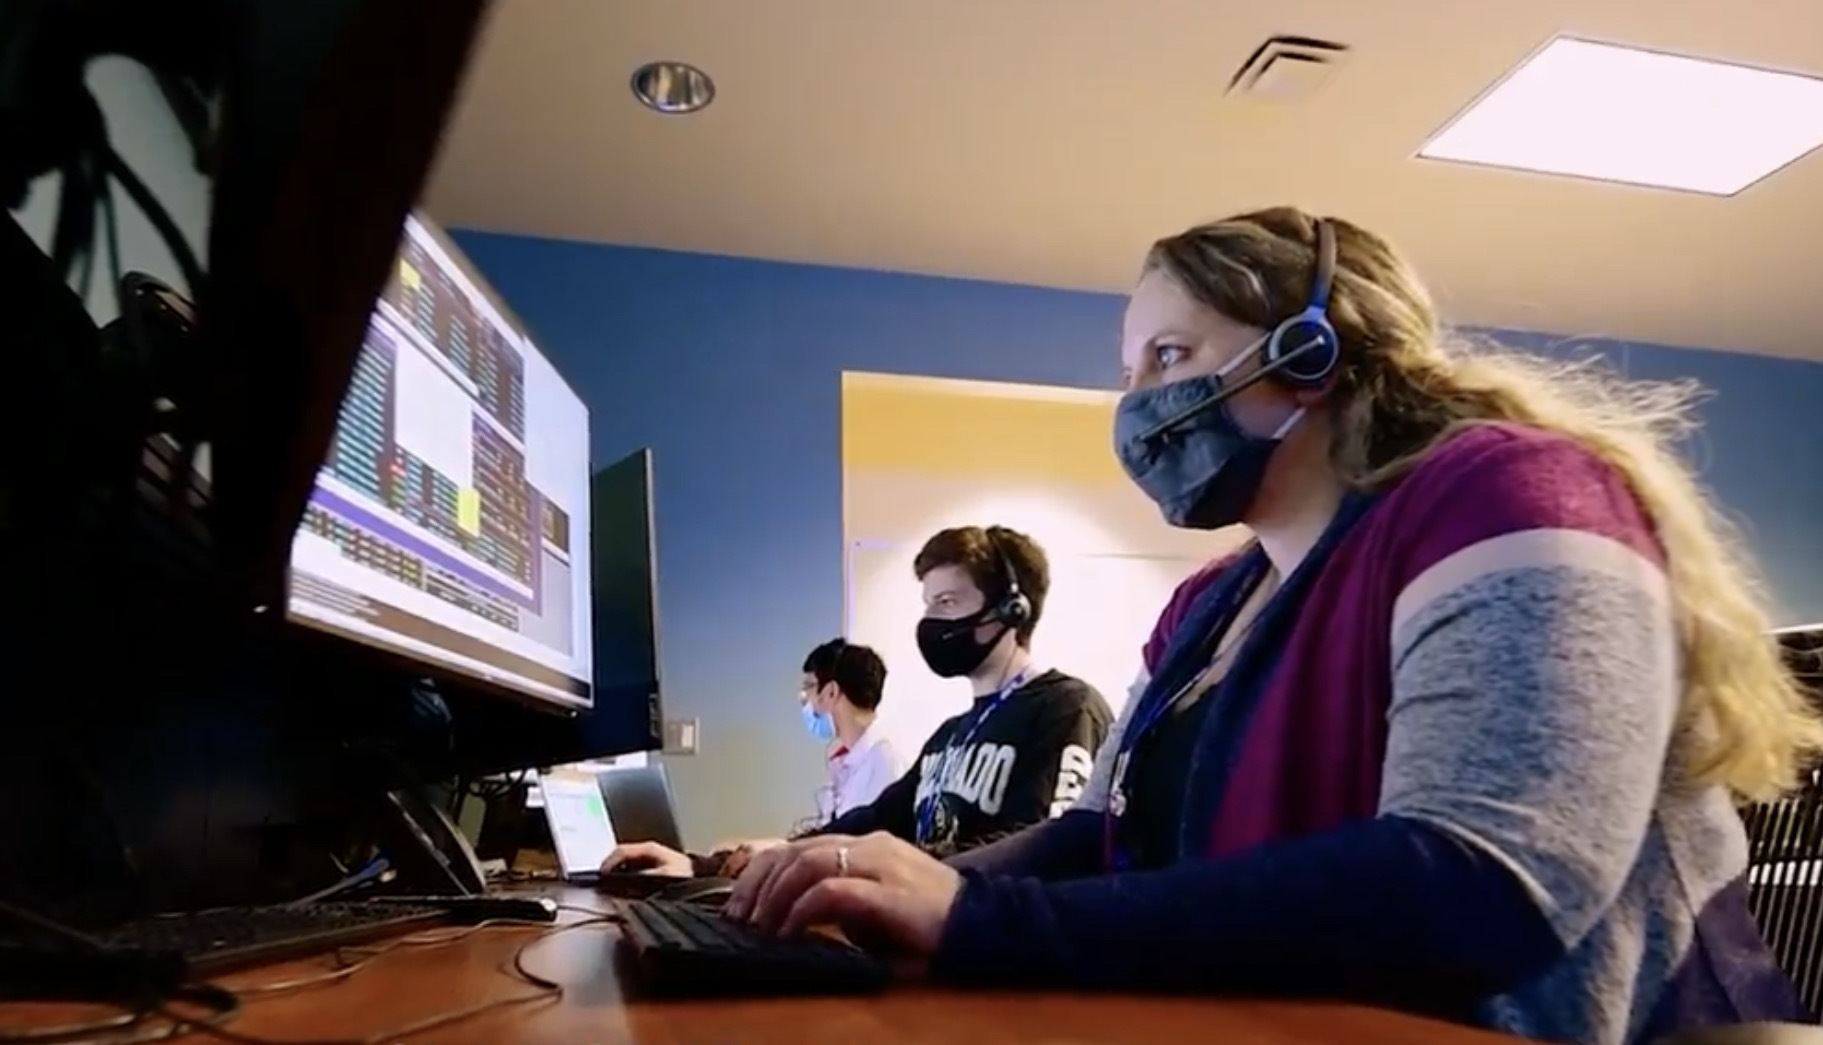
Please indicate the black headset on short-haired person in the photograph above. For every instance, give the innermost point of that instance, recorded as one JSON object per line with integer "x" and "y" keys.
{"x": 1302, "y": 352}
{"x": 1012, "y": 608}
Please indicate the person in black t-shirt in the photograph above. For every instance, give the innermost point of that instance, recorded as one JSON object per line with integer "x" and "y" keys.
{"x": 1019, "y": 755}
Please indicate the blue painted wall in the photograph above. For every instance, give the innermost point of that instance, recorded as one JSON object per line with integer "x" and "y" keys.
{"x": 729, "y": 370}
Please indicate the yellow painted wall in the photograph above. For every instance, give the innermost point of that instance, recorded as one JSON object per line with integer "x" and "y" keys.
{"x": 966, "y": 429}
{"x": 923, "y": 454}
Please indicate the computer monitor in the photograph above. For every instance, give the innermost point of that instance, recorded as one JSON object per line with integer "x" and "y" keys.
{"x": 498, "y": 736}
{"x": 450, "y": 520}
{"x": 640, "y": 805}
{"x": 628, "y": 716}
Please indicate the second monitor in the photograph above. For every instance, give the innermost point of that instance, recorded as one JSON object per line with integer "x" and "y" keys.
{"x": 450, "y": 522}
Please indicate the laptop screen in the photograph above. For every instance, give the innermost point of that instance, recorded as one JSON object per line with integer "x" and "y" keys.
{"x": 580, "y": 829}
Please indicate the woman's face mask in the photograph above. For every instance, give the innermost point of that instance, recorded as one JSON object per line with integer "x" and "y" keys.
{"x": 1180, "y": 443}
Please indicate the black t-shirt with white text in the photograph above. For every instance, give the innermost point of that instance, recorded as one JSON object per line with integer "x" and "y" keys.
{"x": 1026, "y": 762}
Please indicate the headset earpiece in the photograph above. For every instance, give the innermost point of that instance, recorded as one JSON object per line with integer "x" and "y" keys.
{"x": 1304, "y": 350}
{"x": 1013, "y": 610}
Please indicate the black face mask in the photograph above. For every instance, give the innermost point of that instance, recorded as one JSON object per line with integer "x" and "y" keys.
{"x": 950, "y": 647}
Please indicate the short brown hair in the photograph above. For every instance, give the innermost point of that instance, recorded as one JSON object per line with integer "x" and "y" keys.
{"x": 986, "y": 555}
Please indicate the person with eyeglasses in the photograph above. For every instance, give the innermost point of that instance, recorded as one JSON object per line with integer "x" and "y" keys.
{"x": 840, "y": 704}
{"x": 1018, "y": 755}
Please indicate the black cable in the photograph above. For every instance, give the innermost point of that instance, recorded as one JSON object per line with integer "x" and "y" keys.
{"x": 110, "y": 225}
{"x": 138, "y": 983}
{"x": 376, "y": 870}
{"x": 223, "y": 1004}
{"x": 546, "y": 990}
{"x": 82, "y": 130}
{"x": 494, "y": 790}
{"x": 87, "y": 171}
{"x": 112, "y": 165}
{"x": 104, "y": 805}
{"x": 190, "y": 105}
{"x": 72, "y": 241}
{"x": 38, "y": 926}
{"x": 74, "y": 229}
{"x": 99, "y": 195}
{"x": 351, "y": 960}
{"x": 86, "y": 280}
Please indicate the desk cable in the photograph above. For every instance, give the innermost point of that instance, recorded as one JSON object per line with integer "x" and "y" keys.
{"x": 207, "y": 1008}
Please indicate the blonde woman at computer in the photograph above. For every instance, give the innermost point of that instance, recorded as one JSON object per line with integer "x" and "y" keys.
{"x": 1459, "y": 731}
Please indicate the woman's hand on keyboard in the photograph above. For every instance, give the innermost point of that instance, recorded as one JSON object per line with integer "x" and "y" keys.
{"x": 877, "y": 888}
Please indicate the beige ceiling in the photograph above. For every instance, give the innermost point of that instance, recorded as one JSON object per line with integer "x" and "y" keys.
{"x": 1048, "y": 141}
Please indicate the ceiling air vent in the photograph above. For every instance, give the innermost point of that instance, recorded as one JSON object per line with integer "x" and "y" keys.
{"x": 1288, "y": 69}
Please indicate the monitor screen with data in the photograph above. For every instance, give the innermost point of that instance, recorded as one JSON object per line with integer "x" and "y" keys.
{"x": 450, "y": 521}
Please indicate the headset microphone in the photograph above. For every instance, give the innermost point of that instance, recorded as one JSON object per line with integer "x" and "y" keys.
{"x": 1301, "y": 351}
{"x": 1227, "y": 392}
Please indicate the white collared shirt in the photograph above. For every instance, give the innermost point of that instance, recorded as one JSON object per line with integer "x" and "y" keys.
{"x": 858, "y": 773}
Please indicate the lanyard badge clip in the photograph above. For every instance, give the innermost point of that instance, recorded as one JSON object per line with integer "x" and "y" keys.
{"x": 1117, "y": 791}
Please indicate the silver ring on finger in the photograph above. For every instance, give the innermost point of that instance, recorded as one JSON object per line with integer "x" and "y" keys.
{"x": 842, "y": 862}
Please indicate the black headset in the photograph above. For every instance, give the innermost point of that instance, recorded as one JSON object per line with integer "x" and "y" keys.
{"x": 1303, "y": 351}
{"x": 1013, "y": 608}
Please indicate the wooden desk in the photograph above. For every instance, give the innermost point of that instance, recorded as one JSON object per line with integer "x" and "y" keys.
{"x": 407, "y": 985}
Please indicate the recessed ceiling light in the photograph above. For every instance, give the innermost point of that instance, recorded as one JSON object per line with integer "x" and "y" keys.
{"x": 673, "y": 88}
{"x": 1618, "y": 114}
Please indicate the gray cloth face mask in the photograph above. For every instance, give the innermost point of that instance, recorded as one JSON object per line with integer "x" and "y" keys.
{"x": 1180, "y": 444}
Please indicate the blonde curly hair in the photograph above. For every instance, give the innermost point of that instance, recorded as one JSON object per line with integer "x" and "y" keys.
{"x": 1402, "y": 388}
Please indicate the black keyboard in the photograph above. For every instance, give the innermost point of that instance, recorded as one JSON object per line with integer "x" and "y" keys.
{"x": 233, "y": 937}
{"x": 690, "y": 950}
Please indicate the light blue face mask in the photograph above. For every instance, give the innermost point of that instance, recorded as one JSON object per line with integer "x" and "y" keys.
{"x": 820, "y": 725}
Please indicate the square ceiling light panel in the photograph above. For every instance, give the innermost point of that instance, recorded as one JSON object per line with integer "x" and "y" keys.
{"x": 1619, "y": 114}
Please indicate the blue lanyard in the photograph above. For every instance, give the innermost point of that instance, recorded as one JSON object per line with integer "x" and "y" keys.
{"x": 927, "y": 812}
{"x": 1208, "y": 627}
{"x": 1151, "y": 712}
